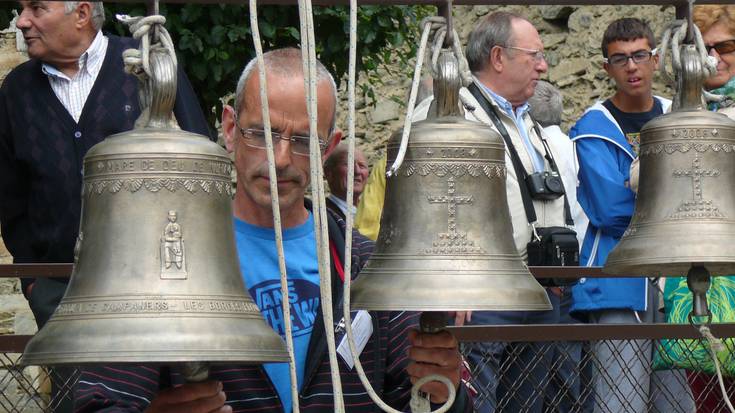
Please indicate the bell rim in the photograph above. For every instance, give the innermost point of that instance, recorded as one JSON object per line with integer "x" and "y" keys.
{"x": 78, "y": 359}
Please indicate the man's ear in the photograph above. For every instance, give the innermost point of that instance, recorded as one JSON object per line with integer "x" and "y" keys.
{"x": 655, "y": 62}
{"x": 84, "y": 14}
{"x": 333, "y": 142}
{"x": 229, "y": 128}
{"x": 606, "y": 66}
{"x": 496, "y": 58}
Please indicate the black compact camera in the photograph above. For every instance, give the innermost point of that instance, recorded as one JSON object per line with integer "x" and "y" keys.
{"x": 545, "y": 185}
{"x": 554, "y": 247}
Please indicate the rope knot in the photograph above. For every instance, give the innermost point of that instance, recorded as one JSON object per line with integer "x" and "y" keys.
{"x": 714, "y": 342}
{"x": 152, "y": 33}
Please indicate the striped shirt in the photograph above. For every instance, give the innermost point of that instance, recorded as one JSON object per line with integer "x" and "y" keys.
{"x": 130, "y": 389}
{"x": 73, "y": 92}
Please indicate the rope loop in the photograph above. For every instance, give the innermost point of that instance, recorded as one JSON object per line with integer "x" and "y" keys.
{"x": 438, "y": 30}
{"x": 434, "y": 27}
{"x": 152, "y": 34}
{"x": 421, "y": 404}
{"x": 673, "y": 38}
{"x": 714, "y": 347}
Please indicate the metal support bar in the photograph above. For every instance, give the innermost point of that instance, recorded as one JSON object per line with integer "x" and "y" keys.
{"x": 64, "y": 270}
{"x": 35, "y": 270}
{"x": 13, "y": 343}
{"x": 445, "y": 10}
{"x": 528, "y": 333}
{"x": 684, "y": 12}
{"x": 438, "y": 3}
{"x": 585, "y": 332}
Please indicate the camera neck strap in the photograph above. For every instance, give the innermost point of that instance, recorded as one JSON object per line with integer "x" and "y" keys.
{"x": 521, "y": 173}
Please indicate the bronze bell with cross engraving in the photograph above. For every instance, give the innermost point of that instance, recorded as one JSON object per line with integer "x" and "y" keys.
{"x": 156, "y": 276}
{"x": 446, "y": 238}
{"x": 685, "y": 208}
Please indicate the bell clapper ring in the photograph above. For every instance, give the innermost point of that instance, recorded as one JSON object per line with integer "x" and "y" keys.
{"x": 698, "y": 281}
{"x": 430, "y": 322}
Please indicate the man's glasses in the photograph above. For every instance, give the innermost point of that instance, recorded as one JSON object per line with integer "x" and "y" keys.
{"x": 728, "y": 46}
{"x": 256, "y": 138}
{"x": 620, "y": 60}
{"x": 538, "y": 55}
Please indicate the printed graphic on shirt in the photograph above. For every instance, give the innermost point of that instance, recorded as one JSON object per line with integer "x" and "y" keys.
{"x": 634, "y": 140}
{"x": 303, "y": 297}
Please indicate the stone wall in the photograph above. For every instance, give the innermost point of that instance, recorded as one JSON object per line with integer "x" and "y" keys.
{"x": 572, "y": 36}
{"x": 15, "y": 316}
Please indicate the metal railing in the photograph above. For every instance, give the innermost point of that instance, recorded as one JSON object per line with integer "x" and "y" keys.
{"x": 552, "y": 367}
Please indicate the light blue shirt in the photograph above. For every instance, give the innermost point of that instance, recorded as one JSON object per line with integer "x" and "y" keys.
{"x": 536, "y": 159}
{"x": 343, "y": 206}
{"x": 256, "y": 247}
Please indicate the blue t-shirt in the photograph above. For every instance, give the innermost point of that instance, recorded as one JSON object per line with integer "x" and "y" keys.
{"x": 632, "y": 122}
{"x": 256, "y": 248}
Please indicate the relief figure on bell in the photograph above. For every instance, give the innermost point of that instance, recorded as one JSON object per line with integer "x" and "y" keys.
{"x": 172, "y": 236}
{"x": 173, "y": 261}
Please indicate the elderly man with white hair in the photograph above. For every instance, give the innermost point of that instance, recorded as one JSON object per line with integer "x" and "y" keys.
{"x": 335, "y": 172}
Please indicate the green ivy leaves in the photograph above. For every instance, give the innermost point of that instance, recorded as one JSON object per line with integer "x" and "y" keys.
{"x": 214, "y": 42}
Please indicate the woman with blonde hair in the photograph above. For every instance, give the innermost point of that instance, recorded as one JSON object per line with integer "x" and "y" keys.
{"x": 717, "y": 24}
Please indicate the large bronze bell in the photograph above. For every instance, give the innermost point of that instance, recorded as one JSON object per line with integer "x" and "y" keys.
{"x": 446, "y": 238}
{"x": 156, "y": 276}
{"x": 686, "y": 203}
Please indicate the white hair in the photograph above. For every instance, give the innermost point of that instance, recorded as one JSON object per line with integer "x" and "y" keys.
{"x": 546, "y": 104}
{"x": 98, "y": 12}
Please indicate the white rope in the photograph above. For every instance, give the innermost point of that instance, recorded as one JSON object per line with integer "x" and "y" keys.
{"x": 351, "y": 77}
{"x": 143, "y": 28}
{"x": 275, "y": 207}
{"x": 715, "y": 345}
{"x": 673, "y": 38}
{"x": 438, "y": 26}
{"x": 308, "y": 52}
{"x": 348, "y": 230}
{"x": 411, "y": 101}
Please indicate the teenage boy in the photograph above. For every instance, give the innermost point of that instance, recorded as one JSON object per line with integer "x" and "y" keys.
{"x": 606, "y": 139}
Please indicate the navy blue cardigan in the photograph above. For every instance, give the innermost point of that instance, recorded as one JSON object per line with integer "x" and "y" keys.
{"x": 42, "y": 149}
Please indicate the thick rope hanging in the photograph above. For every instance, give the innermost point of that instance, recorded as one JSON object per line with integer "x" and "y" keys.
{"x": 714, "y": 347}
{"x": 437, "y": 23}
{"x": 308, "y": 51}
{"x": 275, "y": 207}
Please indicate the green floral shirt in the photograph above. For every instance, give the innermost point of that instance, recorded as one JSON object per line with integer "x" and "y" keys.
{"x": 728, "y": 89}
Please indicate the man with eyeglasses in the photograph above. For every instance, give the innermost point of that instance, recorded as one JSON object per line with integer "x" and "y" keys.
{"x": 606, "y": 140}
{"x": 393, "y": 355}
{"x": 506, "y": 57}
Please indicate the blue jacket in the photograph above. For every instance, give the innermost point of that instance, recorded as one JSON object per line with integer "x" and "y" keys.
{"x": 604, "y": 170}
